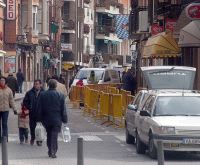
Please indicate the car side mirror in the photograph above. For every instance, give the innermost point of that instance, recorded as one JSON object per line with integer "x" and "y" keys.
{"x": 108, "y": 79}
{"x": 132, "y": 107}
{"x": 144, "y": 113}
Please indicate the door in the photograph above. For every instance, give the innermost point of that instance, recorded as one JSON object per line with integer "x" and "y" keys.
{"x": 144, "y": 120}
{"x": 131, "y": 114}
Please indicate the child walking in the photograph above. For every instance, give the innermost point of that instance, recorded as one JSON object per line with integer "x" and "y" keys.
{"x": 23, "y": 123}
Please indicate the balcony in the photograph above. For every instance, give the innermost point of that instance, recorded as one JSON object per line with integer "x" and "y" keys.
{"x": 69, "y": 0}
{"x": 68, "y": 26}
{"x": 90, "y": 49}
{"x": 66, "y": 47}
{"x": 105, "y": 30}
{"x": 109, "y": 6}
{"x": 87, "y": 1}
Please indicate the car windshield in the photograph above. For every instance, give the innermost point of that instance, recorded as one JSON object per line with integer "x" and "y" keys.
{"x": 177, "y": 106}
{"x": 85, "y": 74}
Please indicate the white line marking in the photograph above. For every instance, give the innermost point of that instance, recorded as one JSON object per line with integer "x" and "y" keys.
{"x": 91, "y": 138}
{"x": 121, "y": 138}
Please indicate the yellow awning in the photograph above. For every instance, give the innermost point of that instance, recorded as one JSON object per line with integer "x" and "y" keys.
{"x": 67, "y": 66}
{"x": 162, "y": 45}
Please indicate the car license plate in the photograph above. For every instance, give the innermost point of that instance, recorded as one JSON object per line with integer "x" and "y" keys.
{"x": 174, "y": 145}
{"x": 191, "y": 141}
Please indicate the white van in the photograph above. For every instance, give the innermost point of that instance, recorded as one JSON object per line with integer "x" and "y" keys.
{"x": 103, "y": 75}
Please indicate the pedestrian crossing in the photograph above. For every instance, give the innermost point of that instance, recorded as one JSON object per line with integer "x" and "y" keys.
{"x": 87, "y": 137}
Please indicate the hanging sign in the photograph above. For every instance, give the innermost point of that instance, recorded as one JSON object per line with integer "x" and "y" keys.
{"x": 11, "y": 10}
{"x": 193, "y": 11}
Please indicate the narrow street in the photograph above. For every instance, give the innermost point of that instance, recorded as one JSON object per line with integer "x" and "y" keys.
{"x": 102, "y": 146}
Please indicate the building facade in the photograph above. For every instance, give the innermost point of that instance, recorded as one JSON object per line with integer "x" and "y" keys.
{"x": 2, "y": 52}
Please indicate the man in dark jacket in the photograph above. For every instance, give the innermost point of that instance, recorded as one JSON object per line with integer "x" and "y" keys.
{"x": 20, "y": 79}
{"x": 31, "y": 103}
{"x": 12, "y": 83}
{"x": 52, "y": 113}
{"x": 129, "y": 81}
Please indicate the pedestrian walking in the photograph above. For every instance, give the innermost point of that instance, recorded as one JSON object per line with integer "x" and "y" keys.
{"x": 23, "y": 124}
{"x": 6, "y": 102}
{"x": 12, "y": 83}
{"x": 61, "y": 79}
{"x": 52, "y": 113}
{"x": 31, "y": 103}
{"x": 60, "y": 87}
{"x": 129, "y": 81}
{"x": 20, "y": 80}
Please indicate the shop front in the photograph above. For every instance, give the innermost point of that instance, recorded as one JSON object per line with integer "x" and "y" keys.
{"x": 2, "y": 54}
{"x": 189, "y": 41}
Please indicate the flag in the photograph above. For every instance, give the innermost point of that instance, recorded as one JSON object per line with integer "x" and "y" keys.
{"x": 122, "y": 22}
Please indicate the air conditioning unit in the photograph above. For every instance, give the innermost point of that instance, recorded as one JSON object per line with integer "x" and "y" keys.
{"x": 143, "y": 21}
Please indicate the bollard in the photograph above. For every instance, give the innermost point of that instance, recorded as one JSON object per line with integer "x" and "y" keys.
{"x": 160, "y": 153}
{"x": 4, "y": 151}
{"x": 80, "y": 152}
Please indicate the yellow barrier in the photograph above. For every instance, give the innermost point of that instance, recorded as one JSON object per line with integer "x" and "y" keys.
{"x": 116, "y": 108}
{"x": 103, "y": 100}
{"x": 94, "y": 103}
{"x": 104, "y": 105}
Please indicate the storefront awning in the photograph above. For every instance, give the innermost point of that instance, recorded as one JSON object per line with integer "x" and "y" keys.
{"x": 162, "y": 45}
{"x": 190, "y": 35}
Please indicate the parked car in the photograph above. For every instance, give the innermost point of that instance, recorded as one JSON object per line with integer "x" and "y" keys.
{"x": 103, "y": 75}
{"x": 130, "y": 116}
{"x": 169, "y": 111}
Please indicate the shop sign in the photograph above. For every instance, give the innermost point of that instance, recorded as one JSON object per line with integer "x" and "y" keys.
{"x": 193, "y": 11}
{"x": 155, "y": 29}
{"x": 66, "y": 47}
{"x": 170, "y": 24}
{"x": 9, "y": 64}
{"x": 11, "y": 7}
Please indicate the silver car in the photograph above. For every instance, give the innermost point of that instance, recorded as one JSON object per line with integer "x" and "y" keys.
{"x": 170, "y": 111}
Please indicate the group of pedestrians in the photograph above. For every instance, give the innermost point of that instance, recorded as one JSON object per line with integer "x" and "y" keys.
{"x": 47, "y": 107}
{"x": 15, "y": 84}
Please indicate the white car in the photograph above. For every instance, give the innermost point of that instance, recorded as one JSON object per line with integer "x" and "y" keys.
{"x": 170, "y": 111}
{"x": 103, "y": 75}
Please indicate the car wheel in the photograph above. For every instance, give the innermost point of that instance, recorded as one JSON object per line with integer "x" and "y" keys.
{"x": 129, "y": 138}
{"x": 140, "y": 146}
{"x": 152, "y": 148}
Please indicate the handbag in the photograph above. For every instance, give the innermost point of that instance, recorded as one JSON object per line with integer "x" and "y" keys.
{"x": 66, "y": 134}
{"x": 39, "y": 132}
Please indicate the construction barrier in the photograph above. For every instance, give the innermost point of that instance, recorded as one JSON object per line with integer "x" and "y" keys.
{"x": 103, "y": 101}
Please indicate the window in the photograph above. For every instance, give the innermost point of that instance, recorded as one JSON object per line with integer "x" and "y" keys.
{"x": 34, "y": 24}
{"x": 107, "y": 76}
{"x": 137, "y": 100}
{"x": 65, "y": 38}
{"x": 148, "y": 106}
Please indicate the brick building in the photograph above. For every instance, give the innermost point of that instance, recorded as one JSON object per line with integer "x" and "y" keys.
{"x": 157, "y": 28}
{"x": 2, "y": 52}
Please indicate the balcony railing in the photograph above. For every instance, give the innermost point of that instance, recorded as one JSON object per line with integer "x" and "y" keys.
{"x": 106, "y": 30}
{"x": 69, "y": 25}
{"x": 107, "y": 3}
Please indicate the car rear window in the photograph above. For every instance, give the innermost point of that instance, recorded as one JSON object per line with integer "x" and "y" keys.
{"x": 85, "y": 74}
